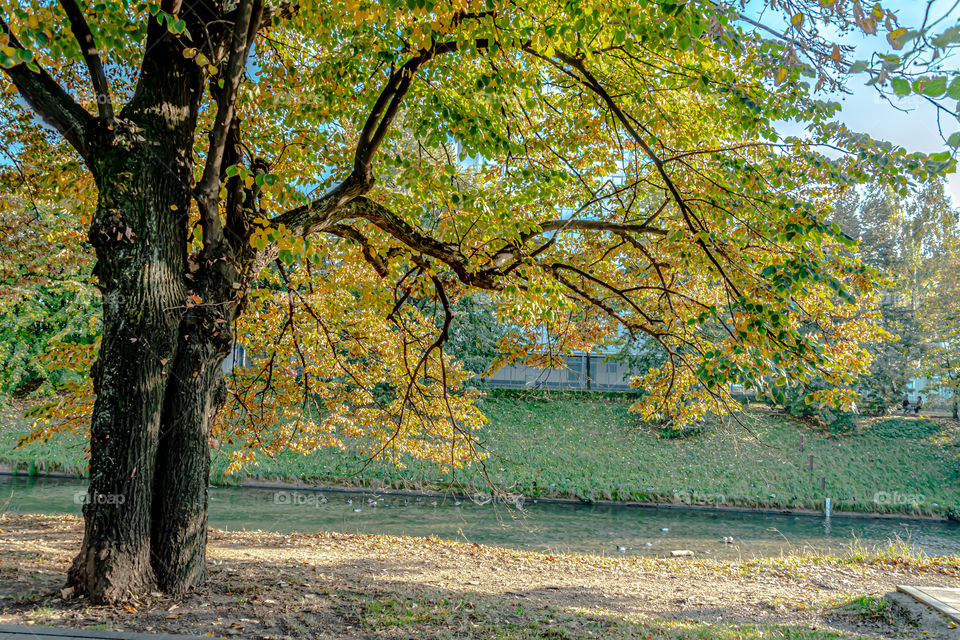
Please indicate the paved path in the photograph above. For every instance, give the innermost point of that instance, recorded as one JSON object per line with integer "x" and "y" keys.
{"x": 944, "y": 599}
{"x": 50, "y": 633}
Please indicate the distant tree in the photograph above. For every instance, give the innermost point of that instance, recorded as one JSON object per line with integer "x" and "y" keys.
{"x": 475, "y": 337}
{"x": 48, "y": 303}
{"x": 913, "y": 241}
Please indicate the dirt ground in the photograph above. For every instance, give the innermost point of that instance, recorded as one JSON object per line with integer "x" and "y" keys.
{"x": 329, "y": 585}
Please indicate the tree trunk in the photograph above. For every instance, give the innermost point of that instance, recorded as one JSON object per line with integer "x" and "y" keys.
{"x": 196, "y": 392}
{"x": 139, "y": 234}
{"x": 158, "y": 379}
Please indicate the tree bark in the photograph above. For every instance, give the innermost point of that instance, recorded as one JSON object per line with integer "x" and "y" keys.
{"x": 179, "y": 532}
{"x": 139, "y": 234}
{"x": 143, "y": 167}
{"x": 195, "y": 393}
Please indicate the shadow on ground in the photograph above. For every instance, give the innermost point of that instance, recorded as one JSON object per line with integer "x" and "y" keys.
{"x": 271, "y": 586}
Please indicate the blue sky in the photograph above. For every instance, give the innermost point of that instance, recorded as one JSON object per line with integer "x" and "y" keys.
{"x": 863, "y": 110}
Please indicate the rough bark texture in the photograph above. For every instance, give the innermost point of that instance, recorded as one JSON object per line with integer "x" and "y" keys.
{"x": 140, "y": 259}
{"x": 195, "y": 393}
{"x": 143, "y": 170}
{"x": 179, "y": 533}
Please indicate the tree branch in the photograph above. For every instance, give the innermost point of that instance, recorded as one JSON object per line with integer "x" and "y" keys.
{"x": 370, "y": 254}
{"x": 599, "y": 225}
{"x": 449, "y": 254}
{"x": 594, "y": 85}
{"x": 91, "y": 55}
{"x": 385, "y": 108}
{"x": 208, "y": 189}
{"x": 48, "y": 99}
{"x": 323, "y": 212}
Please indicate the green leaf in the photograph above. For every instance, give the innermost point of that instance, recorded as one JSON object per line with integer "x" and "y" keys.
{"x": 954, "y": 140}
{"x": 935, "y": 88}
{"x": 954, "y": 89}
{"x": 900, "y": 86}
{"x": 948, "y": 37}
{"x": 858, "y": 66}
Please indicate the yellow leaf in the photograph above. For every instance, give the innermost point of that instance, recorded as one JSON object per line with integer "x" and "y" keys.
{"x": 894, "y": 37}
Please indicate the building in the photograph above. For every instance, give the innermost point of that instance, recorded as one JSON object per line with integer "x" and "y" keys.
{"x": 586, "y": 371}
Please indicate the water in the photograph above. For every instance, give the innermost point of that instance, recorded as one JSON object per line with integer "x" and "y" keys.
{"x": 602, "y": 530}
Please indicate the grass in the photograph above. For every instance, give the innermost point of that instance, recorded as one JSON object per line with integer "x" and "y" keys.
{"x": 576, "y": 445}
{"x": 866, "y": 607}
{"x": 436, "y": 615}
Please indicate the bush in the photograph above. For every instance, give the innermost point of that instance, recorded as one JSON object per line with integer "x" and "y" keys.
{"x": 835, "y": 421}
{"x": 668, "y": 432}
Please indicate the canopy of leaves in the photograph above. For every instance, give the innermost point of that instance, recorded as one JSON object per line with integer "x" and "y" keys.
{"x": 600, "y": 169}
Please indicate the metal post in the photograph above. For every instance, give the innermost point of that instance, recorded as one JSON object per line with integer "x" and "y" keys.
{"x": 588, "y": 371}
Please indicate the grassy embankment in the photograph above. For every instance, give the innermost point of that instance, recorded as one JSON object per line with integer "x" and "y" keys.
{"x": 591, "y": 447}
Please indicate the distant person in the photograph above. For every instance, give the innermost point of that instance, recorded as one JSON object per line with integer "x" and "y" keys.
{"x": 905, "y": 405}
{"x": 919, "y": 405}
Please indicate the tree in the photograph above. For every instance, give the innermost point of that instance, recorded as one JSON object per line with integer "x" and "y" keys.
{"x": 940, "y": 317}
{"x": 912, "y": 240}
{"x": 46, "y": 296}
{"x": 595, "y": 167}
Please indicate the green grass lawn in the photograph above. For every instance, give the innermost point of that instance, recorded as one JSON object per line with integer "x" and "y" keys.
{"x": 591, "y": 447}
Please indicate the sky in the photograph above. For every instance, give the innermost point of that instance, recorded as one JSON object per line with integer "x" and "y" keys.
{"x": 863, "y": 110}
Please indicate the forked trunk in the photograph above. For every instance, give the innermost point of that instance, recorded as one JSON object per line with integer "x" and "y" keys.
{"x": 158, "y": 379}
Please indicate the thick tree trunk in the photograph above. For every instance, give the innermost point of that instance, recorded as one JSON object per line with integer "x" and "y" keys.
{"x": 140, "y": 238}
{"x": 158, "y": 375}
{"x": 194, "y": 395}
